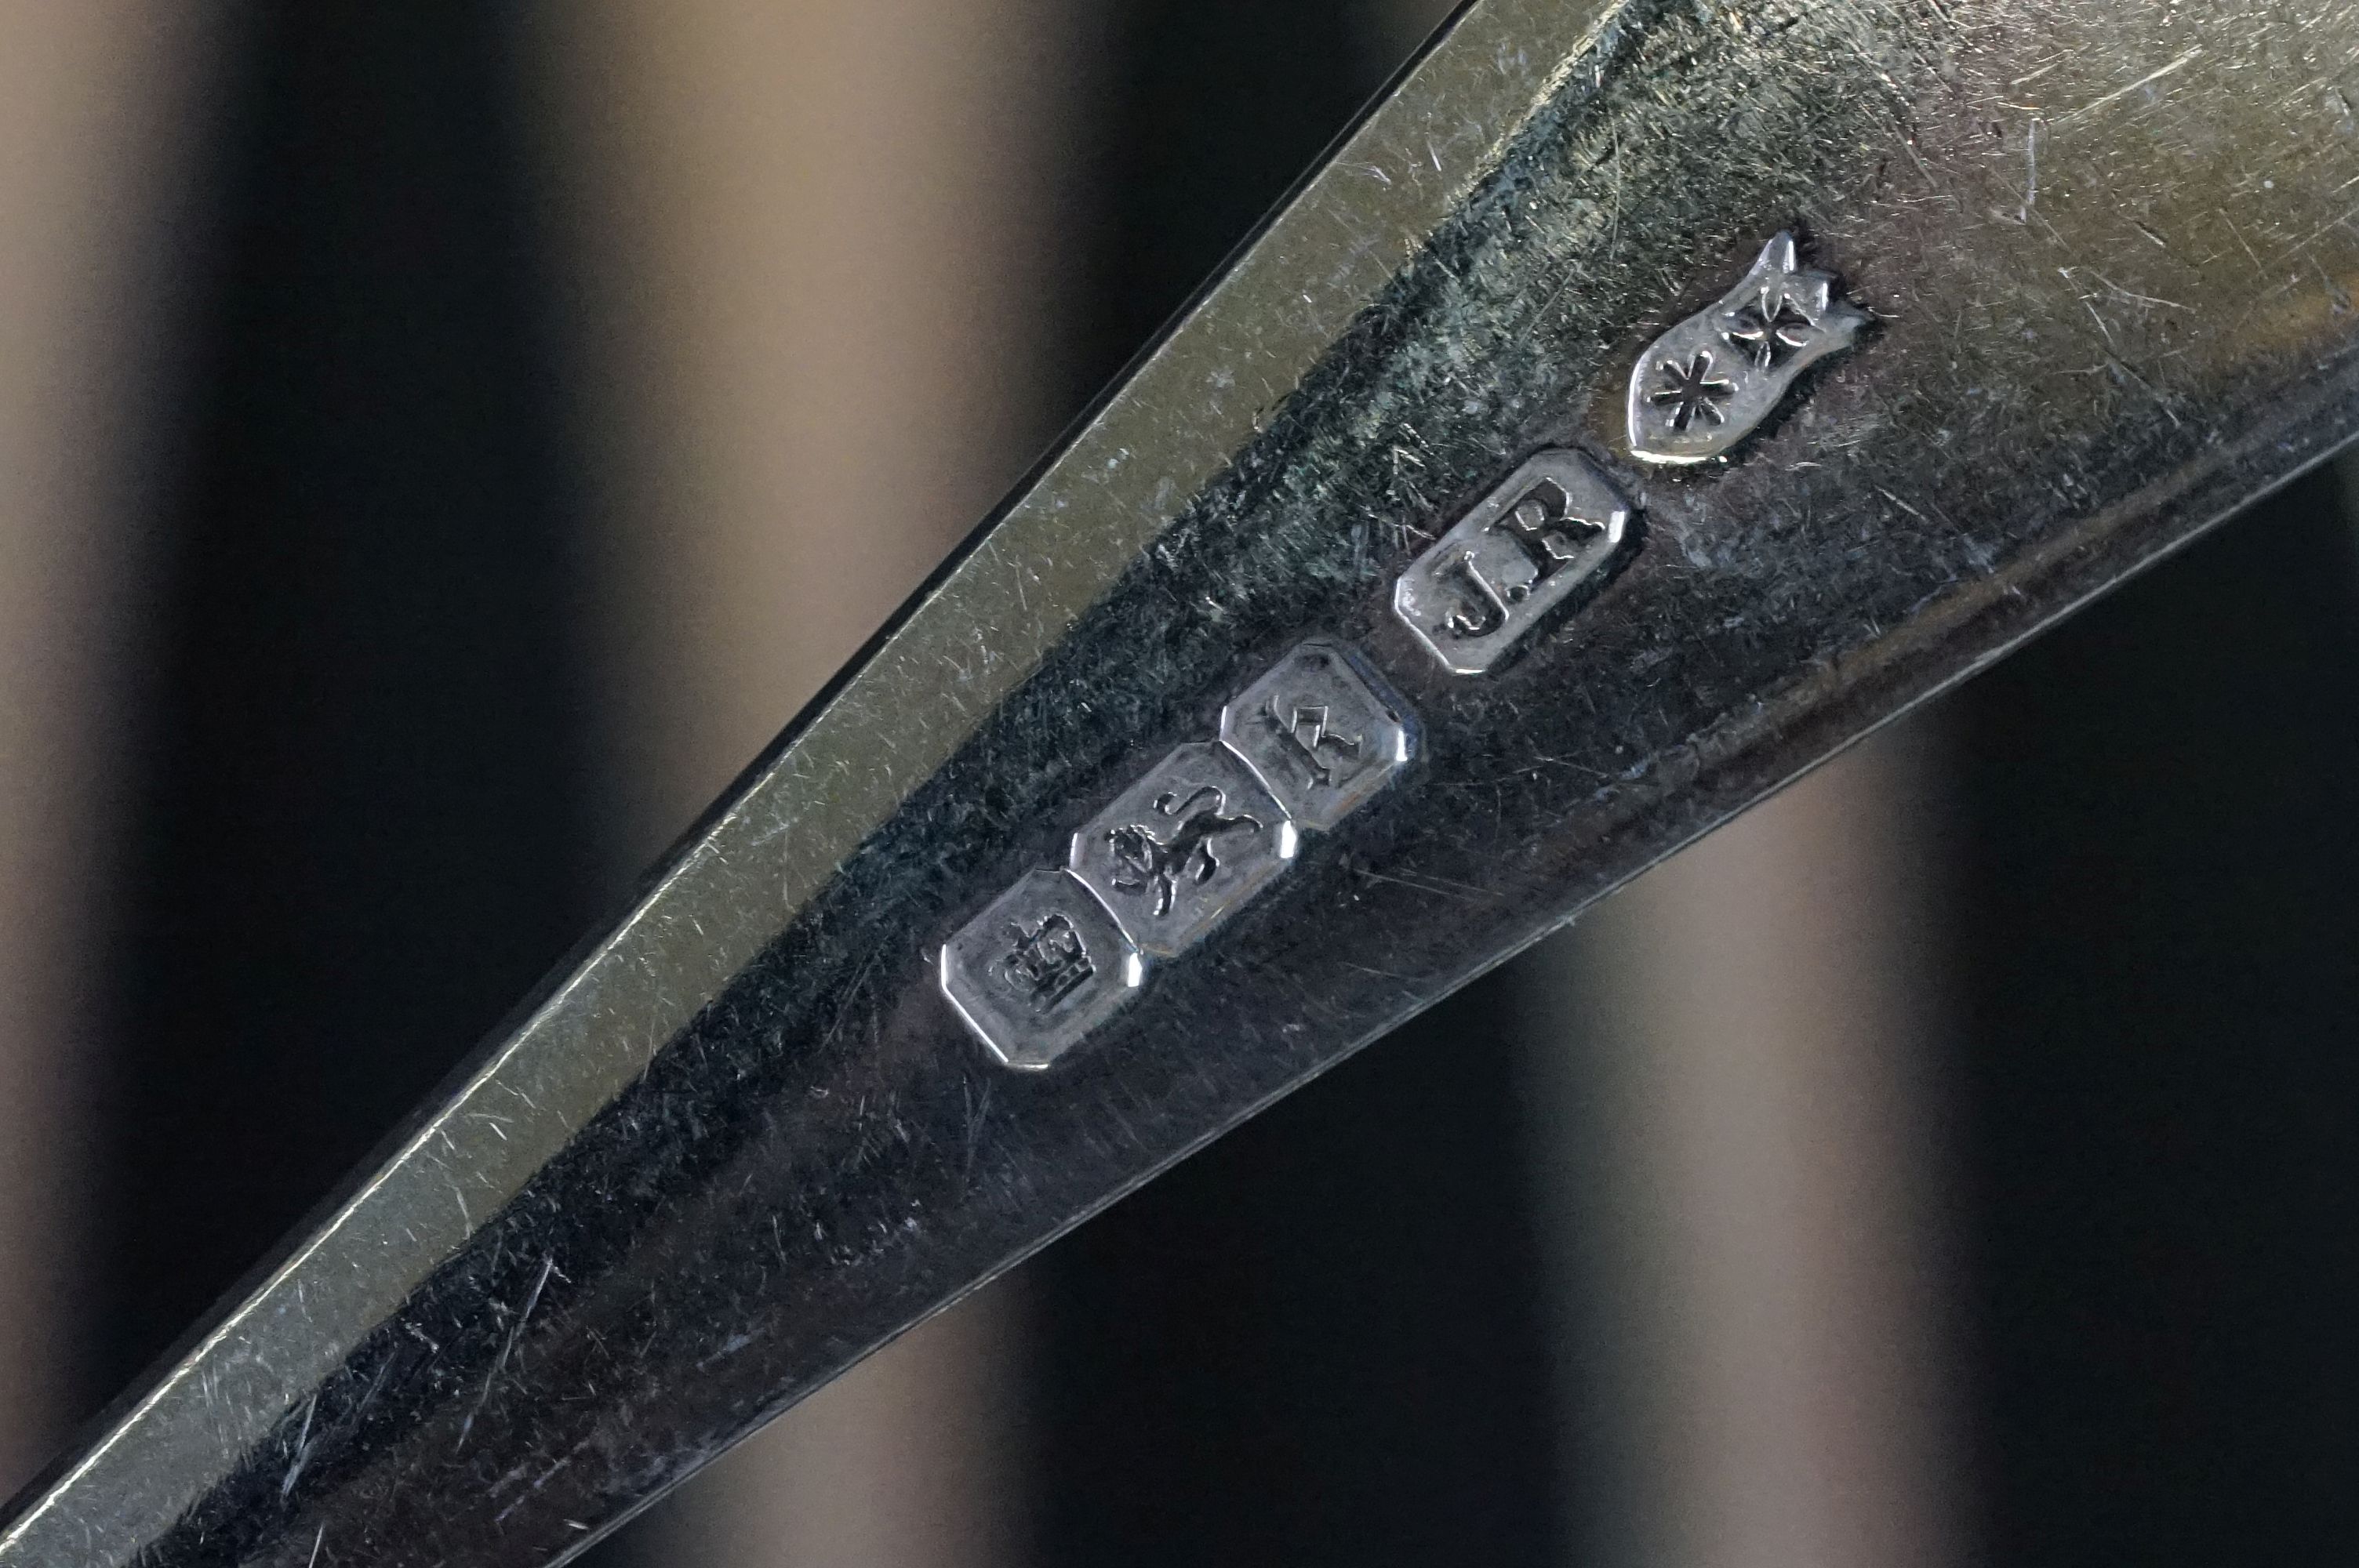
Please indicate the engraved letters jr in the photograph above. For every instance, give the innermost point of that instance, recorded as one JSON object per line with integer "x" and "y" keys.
{"x": 1516, "y": 555}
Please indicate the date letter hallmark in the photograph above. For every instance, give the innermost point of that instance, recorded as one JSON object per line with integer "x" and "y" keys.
{"x": 1516, "y": 555}
{"x": 1321, "y": 730}
{"x": 1182, "y": 848}
{"x": 1705, "y": 384}
{"x": 1041, "y": 967}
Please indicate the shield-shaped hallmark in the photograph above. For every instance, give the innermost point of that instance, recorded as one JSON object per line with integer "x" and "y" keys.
{"x": 1703, "y": 386}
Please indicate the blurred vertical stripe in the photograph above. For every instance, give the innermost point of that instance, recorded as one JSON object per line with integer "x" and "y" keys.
{"x": 2161, "y": 1109}
{"x": 822, "y": 290}
{"x": 1736, "y": 1130}
{"x": 914, "y": 1459}
{"x": 360, "y": 798}
{"x": 93, "y": 100}
{"x": 824, "y": 280}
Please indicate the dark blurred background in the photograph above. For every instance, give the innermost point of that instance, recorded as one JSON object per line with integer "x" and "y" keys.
{"x": 443, "y": 442}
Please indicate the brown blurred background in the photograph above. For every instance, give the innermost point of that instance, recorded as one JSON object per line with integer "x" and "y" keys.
{"x": 439, "y": 444}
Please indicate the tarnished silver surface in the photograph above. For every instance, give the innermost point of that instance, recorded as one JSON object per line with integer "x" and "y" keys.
{"x": 744, "y": 1138}
{"x": 1322, "y": 731}
{"x": 1494, "y": 579}
{"x": 1185, "y": 848}
{"x": 1039, "y": 969}
{"x": 1709, "y": 382}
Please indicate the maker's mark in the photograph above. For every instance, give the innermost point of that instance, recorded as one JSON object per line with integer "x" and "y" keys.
{"x": 1519, "y": 553}
{"x": 1703, "y": 386}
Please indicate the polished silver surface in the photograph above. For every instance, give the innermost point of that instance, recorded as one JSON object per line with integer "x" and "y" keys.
{"x": 1039, "y": 969}
{"x": 741, "y": 1138}
{"x": 1709, "y": 382}
{"x": 1185, "y": 848}
{"x": 1322, "y": 731}
{"x": 1497, "y": 574}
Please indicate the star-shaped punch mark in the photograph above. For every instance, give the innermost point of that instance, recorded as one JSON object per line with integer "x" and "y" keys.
{"x": 1768, "y": 328}
{"x": 1714, "y": 377}
{"x": 1691, "y": 392}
